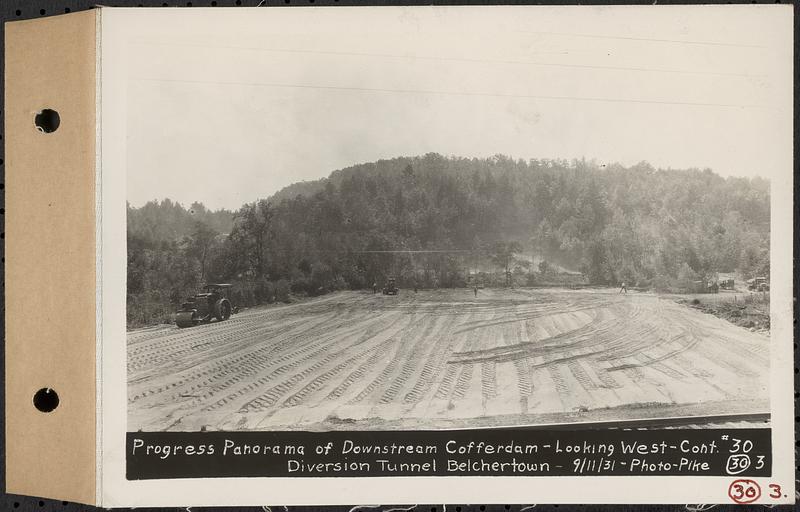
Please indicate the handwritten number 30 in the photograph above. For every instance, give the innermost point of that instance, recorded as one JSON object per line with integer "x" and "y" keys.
{"x": 740, "y": 492}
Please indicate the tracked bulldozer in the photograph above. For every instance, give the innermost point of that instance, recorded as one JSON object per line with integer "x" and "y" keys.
{"x": 211, "y": 304}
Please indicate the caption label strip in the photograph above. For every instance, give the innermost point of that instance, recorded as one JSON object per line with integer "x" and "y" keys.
{"x": 506, "y": 452}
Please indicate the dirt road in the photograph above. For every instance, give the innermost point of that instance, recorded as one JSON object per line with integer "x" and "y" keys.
{"x": 446, "y": 359}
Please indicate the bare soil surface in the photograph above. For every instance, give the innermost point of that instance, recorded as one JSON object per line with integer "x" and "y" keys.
{"x": 446, "y": 359}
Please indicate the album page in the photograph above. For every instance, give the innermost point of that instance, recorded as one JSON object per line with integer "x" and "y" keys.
{"x": 398, "y": 255}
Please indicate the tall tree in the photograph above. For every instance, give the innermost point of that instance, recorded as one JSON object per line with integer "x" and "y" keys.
{"x": 254, "y": 221}
{"x": 200, "y": 244}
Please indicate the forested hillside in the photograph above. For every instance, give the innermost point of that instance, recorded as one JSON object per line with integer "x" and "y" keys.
{"x": 433, "y": 220}
{"x": 301, "y": 188}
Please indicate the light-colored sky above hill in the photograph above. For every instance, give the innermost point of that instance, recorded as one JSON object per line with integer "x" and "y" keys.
{"x": 225, "y": 107}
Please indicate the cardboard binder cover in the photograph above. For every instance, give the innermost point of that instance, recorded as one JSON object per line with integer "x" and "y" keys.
{"x": 50, "y": 258}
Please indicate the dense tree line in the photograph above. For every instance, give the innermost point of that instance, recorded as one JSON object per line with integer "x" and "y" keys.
{"x": 438, "y": 221}
{"x": 170, "y": 249}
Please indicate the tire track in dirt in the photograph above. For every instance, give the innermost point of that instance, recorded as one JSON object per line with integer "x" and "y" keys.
{"x": 413, "y": 359}
{"x": 175, "y": 338}
{"x": 553, "y": 370}
{"x": 489, "y": 380}
{"x": 519, "y": 350}
{"x": 386, "y": 336}
{"x": 435, "y": 361}
{"x": 465, "y": 370}
{"x": 581, "y": 376}
{"x": 420, "y": 348}
{"x": 604, "y": 375}
{"x": 416, "y": 323}
{"x": 241, "y": 327}
{"x": 216, "y": 336}
{"x": 722, "y": 357}
{"x": 447, "y": 382}
{"x": 522, "y": 366}
{"x": 272, "y": 395}
{"x": 218, "y": 368}
{"x": 357, "y": 374}
{"x": 685, "y": 363}
{"x": 462, "y": 382}
{"x": 322, "y": 379}
{"x": 231, "y": 374}
{"x": 560, "y": 385}
{"x": 595, "y": 333}
{"x": 291, "y": 361}
{"x": 247, "y": 363}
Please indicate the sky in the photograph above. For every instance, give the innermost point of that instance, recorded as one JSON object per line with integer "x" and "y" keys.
{"x": 229, "y": 107}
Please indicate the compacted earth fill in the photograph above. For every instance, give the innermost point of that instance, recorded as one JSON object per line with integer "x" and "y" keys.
{"x": 446, "y": 359}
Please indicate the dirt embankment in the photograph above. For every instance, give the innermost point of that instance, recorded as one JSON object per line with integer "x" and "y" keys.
{"x": 750, "y": 311}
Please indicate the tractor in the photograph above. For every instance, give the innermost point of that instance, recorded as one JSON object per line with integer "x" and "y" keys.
{"x": 758, "y": 284}
{"x": 390, "y": 288}
{"x": 212, "y": 303}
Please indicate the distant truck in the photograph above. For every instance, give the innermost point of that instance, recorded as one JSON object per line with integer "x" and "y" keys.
{"x": 726, "y": 281}
{"x": 758, "y": 284}
{"x": 704, "y": 286}
{"x": 390, "y": 288}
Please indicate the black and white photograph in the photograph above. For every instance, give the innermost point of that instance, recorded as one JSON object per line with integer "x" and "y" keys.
{"x": 452, "y": 221}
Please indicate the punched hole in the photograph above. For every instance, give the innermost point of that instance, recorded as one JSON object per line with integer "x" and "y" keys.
{"x": 47, "y": 121}
{"x": 45, "y": 400}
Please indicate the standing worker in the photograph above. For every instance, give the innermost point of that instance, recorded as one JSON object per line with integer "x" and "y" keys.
{"x": 374, "y": 287}
{"x": 476, "y": 290}
{"x": 623, "y": 288}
